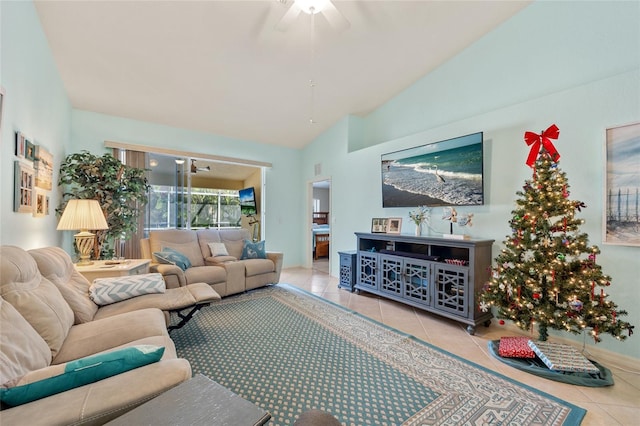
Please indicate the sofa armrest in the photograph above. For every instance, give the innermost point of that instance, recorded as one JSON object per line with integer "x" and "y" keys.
{"x": 102, "y": 401}
{"x": 172, "y": 274}
{"x": 276, "y": 258}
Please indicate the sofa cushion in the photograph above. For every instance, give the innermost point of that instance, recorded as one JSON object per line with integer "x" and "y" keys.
{"x": 218, "y": 249}
{"x": 253, "y": 250}
{"x": 56, "y": 265}
{"x": 82, "y": 372}
{"x": 105, "y": 291}
{"x": 21, "y": 348}
{"x": 173, "y": 257}
{"x": 182, "y": 240}
{"x": 258, "y": 266}
{"x": 36, "y": 298}
{"x": 206, "y": 274}
{"x": 219, "y": 260}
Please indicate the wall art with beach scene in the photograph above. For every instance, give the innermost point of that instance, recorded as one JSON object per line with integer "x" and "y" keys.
{"x": 622, "y": 195}
{"x": 444, "y": 173}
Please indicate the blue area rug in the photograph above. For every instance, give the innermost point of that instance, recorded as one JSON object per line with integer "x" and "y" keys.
{"x": 288, "y": 351}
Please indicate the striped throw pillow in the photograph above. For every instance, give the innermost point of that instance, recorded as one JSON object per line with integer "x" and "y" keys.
{"x": 104, "y": 291}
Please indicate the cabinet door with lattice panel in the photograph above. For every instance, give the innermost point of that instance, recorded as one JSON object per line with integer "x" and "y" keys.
{"x": 368, "y": 270}
{"x": 391, "y": 275}
{"x": 417, "y": 275}
{"x": 450, "y": 289}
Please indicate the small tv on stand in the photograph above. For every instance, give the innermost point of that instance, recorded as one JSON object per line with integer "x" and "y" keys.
{"x": 248, "y": 205}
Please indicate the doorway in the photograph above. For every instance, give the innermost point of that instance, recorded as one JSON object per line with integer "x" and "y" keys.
{"x": 321, "y": 225}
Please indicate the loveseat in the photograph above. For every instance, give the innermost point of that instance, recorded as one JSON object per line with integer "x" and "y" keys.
{"x": 223, "y": 258}
{"x": 44, "y": 343}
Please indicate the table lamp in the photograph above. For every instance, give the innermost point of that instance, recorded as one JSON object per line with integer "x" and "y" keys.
{"x": 83, "y": 215}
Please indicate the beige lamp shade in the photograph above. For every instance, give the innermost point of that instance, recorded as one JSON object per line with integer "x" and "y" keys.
{"x": 83, "y": 215}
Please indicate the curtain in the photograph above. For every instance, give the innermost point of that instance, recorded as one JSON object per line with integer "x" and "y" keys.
{"x": 130, "y": 249}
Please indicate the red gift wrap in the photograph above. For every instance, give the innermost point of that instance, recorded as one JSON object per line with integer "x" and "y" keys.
{"x": 515, "y": 347}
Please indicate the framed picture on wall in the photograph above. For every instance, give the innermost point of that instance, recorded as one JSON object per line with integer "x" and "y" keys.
{"x": 394, "y": 224}
{"x": 19, "y": 145}
{"x": 40, "y": 206}
{"x": 23, "y": 192}
{"x": 379, "y": 225}
{"x": 44, "y": 168}
{"x": 622, "y": 194}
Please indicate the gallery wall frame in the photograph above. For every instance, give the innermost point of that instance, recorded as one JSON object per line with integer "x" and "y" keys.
{"x": 23, "y": 191}
{"x": 621, "y": 221}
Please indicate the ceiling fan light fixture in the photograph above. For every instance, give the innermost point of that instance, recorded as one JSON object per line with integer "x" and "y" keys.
{"x": 311, "y": 6}
{"x": 179, "y": 160}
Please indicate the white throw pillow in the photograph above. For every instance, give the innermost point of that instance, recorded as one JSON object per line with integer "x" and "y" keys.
{"x": 218, "y": 249}
{"x": 105, "y": 291}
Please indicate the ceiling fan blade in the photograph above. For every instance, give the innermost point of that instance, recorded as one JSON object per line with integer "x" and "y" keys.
{"x": 335, "y": 18}
{"x": 288, "y": 18}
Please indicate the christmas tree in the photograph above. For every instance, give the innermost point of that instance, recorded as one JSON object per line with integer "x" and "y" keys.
{"x": 547, "y": 274}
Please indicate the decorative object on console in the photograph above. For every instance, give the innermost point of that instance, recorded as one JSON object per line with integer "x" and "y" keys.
{"x": 547, "y": 273}
{"x": 622, "y": 185}
{"x": 419, "y": 216}
{"x": 443, "y": 173}
{"x": 84, "y": 215}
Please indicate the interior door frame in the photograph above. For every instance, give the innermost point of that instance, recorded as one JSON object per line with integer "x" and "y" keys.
{"x": 309, "y": 220}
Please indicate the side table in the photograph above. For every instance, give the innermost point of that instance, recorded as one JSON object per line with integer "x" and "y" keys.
{"x": 347, "y": 269}
{"x": 198, "y": 401}
{"x": 104, "y": 268}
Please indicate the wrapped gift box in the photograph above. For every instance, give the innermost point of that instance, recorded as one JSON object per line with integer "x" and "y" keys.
{"x": 559, "y": 357}
{"x": 515, "y": 347}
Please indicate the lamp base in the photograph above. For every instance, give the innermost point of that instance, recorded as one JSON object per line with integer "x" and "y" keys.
{"x": 84, "y": 243}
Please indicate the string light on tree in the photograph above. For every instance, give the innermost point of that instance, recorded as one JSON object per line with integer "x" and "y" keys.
{"x": 547, "y": 274}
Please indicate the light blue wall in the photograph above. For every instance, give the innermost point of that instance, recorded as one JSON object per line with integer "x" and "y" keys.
{"x": 576, "y": 64}
{"x": 35, "y": 104}
{"x": 282, "y": 197}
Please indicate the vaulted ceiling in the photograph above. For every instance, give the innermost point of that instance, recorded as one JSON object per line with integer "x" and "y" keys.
{"x": 222, "y": 67}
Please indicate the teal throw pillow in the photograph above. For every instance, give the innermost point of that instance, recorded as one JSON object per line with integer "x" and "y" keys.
{"x": 253, "y": 250}
{"x": 82, "y": 372}
{"x": 174, "y": 257}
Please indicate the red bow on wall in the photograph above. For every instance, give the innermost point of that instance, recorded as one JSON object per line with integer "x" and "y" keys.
{"x": 534, "y": 140}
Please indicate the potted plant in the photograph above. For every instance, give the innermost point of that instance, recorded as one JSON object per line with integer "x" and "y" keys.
{"x": 121, "y": 191}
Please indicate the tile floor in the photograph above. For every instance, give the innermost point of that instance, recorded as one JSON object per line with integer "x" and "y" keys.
{"x": 613, "y": 405}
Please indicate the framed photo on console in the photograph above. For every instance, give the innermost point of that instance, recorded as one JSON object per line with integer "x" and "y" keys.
{"x": 379, "y": 225}
{"x": 394, "y": 224}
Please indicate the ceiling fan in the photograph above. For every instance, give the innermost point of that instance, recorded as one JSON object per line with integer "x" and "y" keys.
{"x": 195, "y": 169}
{"x": 312, "y": 7}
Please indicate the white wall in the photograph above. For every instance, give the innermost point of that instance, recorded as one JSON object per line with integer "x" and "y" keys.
{"x": 577, "y": 64}
{"x": 35, "y": 104}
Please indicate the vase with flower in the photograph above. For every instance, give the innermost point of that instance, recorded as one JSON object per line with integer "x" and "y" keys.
{"x": 420, "y": 216}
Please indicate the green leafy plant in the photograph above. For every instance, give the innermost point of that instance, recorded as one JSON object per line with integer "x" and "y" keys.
{"x": 121, "y": 191}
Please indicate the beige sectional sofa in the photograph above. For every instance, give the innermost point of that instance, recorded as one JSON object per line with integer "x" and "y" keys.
{"x": 226, "y": 274}
{"x": 44, "y": 330}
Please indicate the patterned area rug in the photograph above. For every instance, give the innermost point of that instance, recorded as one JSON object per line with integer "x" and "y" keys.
{"x": 288, "y": 351}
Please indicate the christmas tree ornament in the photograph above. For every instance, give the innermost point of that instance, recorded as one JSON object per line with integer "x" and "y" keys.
{"x": 547, "y": 261}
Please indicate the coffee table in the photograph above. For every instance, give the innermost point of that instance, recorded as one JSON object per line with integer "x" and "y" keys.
{"x": 198, "y": 401}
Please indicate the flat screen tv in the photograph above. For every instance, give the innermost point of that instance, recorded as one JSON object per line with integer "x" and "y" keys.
{"x": 247, "y": 201}
{"x": 444, "y": 173}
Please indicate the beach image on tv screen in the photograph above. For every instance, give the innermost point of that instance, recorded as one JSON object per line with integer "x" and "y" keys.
{"x": 438, "y": 174}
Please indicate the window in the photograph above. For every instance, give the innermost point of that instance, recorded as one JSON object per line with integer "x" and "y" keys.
{"x": 204, "y": 208}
